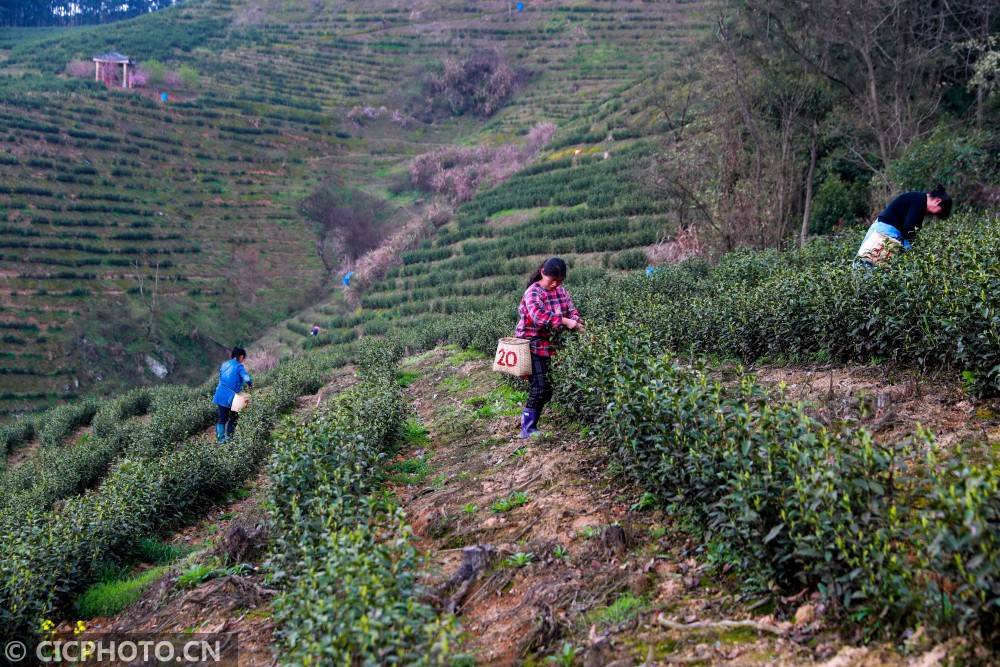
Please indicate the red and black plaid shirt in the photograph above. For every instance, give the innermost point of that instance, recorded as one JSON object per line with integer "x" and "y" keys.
{"x": 542, "y": 311}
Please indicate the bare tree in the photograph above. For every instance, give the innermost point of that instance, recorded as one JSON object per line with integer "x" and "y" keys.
{"x": 810, "y": 175}
{"x": 347, "y": 222}
{"x": 148, "y": 294}
{"x": 889, "y": 58}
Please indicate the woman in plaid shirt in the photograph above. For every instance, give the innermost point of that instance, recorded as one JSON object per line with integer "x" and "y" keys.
{"x": 545, "y": 307}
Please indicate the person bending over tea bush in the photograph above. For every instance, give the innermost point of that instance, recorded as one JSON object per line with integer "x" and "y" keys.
{"x": 897, "y": 225}
{"x": 546, "y": 308}
{"x": 232, "y": 375}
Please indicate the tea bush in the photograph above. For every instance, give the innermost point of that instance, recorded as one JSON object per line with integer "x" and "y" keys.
{"x": 174, "y": 417}
{"x": 937, "y": 305}
{"x": 959, "y": 529}
{"x": 796, "y": 502}
{"x": 113, "y": 412}
{"x": 341, "y": 551}
{"x": 58, "y": 423}
{"x": 16, "y": 433}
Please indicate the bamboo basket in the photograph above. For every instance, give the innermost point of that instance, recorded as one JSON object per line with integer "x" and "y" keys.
{"x": 513, "y": 357}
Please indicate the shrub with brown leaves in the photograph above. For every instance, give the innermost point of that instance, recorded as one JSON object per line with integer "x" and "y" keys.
{"x": 456, "y": 172}
{"x": 80, "y": 69}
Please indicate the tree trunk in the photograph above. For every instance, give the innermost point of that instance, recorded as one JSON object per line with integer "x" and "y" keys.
{"x": 806, "y": 209}
{"x": 874, "y": 106}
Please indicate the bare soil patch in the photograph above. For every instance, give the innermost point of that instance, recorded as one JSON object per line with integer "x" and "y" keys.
{"x": 889, "y": 402}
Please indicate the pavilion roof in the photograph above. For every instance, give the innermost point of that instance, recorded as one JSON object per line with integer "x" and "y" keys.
{"x": 112, "y": 57}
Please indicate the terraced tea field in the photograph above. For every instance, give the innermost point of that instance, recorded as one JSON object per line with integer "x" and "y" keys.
{"x": 131, "y": 227}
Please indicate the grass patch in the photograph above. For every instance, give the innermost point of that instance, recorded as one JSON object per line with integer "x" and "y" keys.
{"x": 462, "y": 356}
{"x": 410, "y": 471}
{"x": 519, "y": 560}
{"x": 155, "y": 552}
{"x": 201, "y": 572}
{"x": 418, "y": 359}
{"x": 405, "y": 378}
{"x": 194, "y": 575}
{"x": 241, "y": 493}
{"x": 504, "y": 401}
{"x": 415, "y": 433}
{"x": 513, "y": 501}
{"x": 625, "y": 608}
{"x": 456, "y": 385}
{"x": 110, "y": 597}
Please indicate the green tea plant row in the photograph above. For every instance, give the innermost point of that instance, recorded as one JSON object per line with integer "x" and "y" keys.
{"x": 59, "y": 472}
{"x": 891, "y": 534}
{"x": 55, "y": 424}
{"x": 341, "y": 552}
{"x": 60, "y": 422}
{"x": 16, "y": 433}
{"x": 175, "y": 413}
{"x": 49, "y": 556}
{"x": 938, "y": 305}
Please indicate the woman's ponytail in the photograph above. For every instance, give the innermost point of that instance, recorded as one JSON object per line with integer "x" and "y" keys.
{"x": 536, "y": 276}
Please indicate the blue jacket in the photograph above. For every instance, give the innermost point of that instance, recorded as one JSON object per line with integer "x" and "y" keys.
{"x": 232, "y": 375}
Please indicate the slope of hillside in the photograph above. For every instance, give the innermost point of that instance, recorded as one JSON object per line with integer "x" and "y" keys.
{"x": 541, "y": 549}
{"x": 132, "y": 227}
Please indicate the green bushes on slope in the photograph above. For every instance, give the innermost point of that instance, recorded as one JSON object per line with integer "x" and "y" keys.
{"x": 341, "y": 549}
{"x": 796, "y": 503}
{"x": 57, "y": 472}
{"x": 58, "y": 423}
{"x": 48, "y": 556}
{"x": 936, "y": 306}
{"x": 16, "y": 433}
{"x": 113, "y": 412}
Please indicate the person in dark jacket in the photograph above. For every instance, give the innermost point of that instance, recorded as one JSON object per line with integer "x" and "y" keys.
{"x": 232, "y": 376}
{"x": 897, "y": 225}
{"x": 546, "y": 307}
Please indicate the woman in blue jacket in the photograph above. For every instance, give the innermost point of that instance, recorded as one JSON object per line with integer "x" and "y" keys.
{"x": 232, "y": 375}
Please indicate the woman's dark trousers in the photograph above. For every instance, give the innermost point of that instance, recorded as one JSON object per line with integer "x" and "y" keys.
{"x": 225, "y": 425}
{"x": 538, "y": 395}
{"x": 541, "y": 389}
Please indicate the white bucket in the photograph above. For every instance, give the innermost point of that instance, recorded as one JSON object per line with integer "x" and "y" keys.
{"x": 239, "y": 402}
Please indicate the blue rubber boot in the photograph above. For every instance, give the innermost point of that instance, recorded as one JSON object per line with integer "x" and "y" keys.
{"x": 529, "y": 423}
{"x": 220, "y": 433}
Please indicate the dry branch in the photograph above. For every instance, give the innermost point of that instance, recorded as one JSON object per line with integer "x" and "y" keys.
{"x": 759, "y": 626}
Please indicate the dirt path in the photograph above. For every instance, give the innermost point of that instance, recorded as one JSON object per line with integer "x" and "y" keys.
{"x": 574, "y": 571}
{"x": 29, "y": 449}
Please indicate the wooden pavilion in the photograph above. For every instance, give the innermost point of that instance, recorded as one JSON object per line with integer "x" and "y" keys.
{"x": 103, "y": 62}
